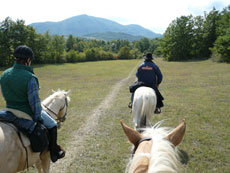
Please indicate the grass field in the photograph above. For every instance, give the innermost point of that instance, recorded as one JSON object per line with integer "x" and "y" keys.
{"x": 196, "y": 91}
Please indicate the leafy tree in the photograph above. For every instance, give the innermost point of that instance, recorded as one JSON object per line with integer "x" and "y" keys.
{"x": 210, "y": 31}
{"x": 106, "y": 55}
{"x": 197, "y": 39}
{"x": 124, "y": 53}
{"x": 70, "y": 43}
{"x": 57, "y": 48}
{"x": 177, "y": 41}
{"x": 143, "y": 45}
{"x": 79, "y": 45}
{"x": 222, "y": 45}
{"x": 154, "y": 43}
{"x": 92, "y": 54}
{"x": 6, "y": 48}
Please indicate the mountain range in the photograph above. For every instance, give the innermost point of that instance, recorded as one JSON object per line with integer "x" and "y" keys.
{"x": 95, "y": 28}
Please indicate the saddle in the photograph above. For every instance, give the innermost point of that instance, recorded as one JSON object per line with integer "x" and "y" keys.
{"x": 36, "y": 132}
{"x": 136, "y": 85}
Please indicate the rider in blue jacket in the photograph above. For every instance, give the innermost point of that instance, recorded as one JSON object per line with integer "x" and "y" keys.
{"x": 150, "y": 74}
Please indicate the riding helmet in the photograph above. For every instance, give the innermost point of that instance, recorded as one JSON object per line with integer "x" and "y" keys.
{"x": 23, "y": 52}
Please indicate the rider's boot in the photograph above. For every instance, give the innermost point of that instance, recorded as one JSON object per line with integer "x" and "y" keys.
{"x": 130, "y": 105}
{"x": 56, "y": 151}
{"x": 157, "y": 111}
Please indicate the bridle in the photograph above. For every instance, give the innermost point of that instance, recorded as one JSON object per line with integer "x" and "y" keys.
{"x": 59, "y": 119}
{"x": 138, "y": 143}
{"x": 62, "y": 119}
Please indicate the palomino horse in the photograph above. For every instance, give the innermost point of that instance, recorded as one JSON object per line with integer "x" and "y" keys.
{"x": 155, "y": 149}
{"x": 144, "y": 105}
{"x": 14, "y": 156}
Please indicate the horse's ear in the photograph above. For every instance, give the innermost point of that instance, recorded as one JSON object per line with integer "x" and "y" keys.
{"x": 177, "y": 134}
{"x": 132, "y": 134}
{"x": 67, "y": 92}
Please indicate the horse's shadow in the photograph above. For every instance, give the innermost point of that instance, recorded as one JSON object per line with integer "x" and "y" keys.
{"x": 184, "y": 158}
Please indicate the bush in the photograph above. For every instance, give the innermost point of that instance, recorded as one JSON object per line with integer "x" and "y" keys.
{"x": 106, "y": 55}
{"x": 222, "y": 47}
{"x": 124, "y": 53}
{"x": 71, "y": 56}
{"x": 92, "y": 54}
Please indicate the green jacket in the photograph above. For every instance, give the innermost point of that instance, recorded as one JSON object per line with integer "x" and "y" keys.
{"x": 14, "y": 85}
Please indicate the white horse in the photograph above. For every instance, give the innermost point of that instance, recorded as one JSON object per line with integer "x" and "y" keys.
{"x": 14, "y": 156}
{"x": 155, "y": 149}
{"x": 144, "y": 105}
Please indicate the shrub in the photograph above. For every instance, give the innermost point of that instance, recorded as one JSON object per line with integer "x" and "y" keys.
{"x": 106, "y": 55}
{"x": 222, "y": 47}
{"x": 92, "y": 54}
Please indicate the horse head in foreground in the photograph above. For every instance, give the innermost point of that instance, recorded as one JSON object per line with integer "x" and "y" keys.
{"x": 16, "y": 150}
{"x": 155, "y": 149}
{"x": 144, "y": 105}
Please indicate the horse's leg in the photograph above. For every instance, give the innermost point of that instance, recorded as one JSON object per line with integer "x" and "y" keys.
{"x": 143, "y": 121}
{"x": 45, "y": 161}
{"x": 39, "y": 168}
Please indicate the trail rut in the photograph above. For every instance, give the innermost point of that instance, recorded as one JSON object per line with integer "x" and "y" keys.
{"x": 80, "y": 136}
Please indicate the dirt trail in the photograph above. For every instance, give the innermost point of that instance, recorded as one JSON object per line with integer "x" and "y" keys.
{"x": 80, "y": 136}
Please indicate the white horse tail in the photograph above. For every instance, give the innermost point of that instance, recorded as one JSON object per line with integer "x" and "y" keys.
{"x": 144, "y": 105}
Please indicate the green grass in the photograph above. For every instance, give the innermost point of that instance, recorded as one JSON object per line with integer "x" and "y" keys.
{"x": 196, "y": 91}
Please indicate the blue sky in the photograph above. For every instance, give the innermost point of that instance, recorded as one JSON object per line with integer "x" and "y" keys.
{"x": 155, "y": 15}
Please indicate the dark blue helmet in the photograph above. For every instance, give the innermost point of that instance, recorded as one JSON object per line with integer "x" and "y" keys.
{"x": 23, "y": 52}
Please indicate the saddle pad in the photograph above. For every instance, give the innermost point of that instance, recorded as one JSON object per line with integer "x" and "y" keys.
{"x": 18, "y": 113}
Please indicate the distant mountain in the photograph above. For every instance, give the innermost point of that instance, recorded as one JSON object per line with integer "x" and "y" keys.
{"x": 86, "y": 25}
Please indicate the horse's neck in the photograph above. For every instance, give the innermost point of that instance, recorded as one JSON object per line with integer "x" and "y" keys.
{"x": 53, "y": 105}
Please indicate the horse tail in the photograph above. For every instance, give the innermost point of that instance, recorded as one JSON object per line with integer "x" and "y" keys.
{"x": 143, "y": 106}
{"x": 147, "y": 109}
{"x": 144, "y": 111}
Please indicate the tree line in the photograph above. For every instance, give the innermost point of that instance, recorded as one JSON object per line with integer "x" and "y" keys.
{"x": 186, "y": 38}
{"x": 199, "y": 37}
{"x": 59, "y": 48}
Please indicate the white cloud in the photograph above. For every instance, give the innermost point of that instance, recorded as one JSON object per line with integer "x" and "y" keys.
{"x": 152, "y": 14}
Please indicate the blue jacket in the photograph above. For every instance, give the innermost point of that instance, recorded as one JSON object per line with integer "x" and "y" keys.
{"x": 149, "y": 73}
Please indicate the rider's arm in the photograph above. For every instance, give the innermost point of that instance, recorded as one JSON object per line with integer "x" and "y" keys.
{"x": 159, "y": 75}
{"x": 34, "y": 99}
{"x": 138, "y": 72}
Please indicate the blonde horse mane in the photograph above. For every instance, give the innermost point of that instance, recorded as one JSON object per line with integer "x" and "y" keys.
{"x": 164, "y": 156}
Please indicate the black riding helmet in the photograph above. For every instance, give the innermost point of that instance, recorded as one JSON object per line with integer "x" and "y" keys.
{"x": 23, "y": 52}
